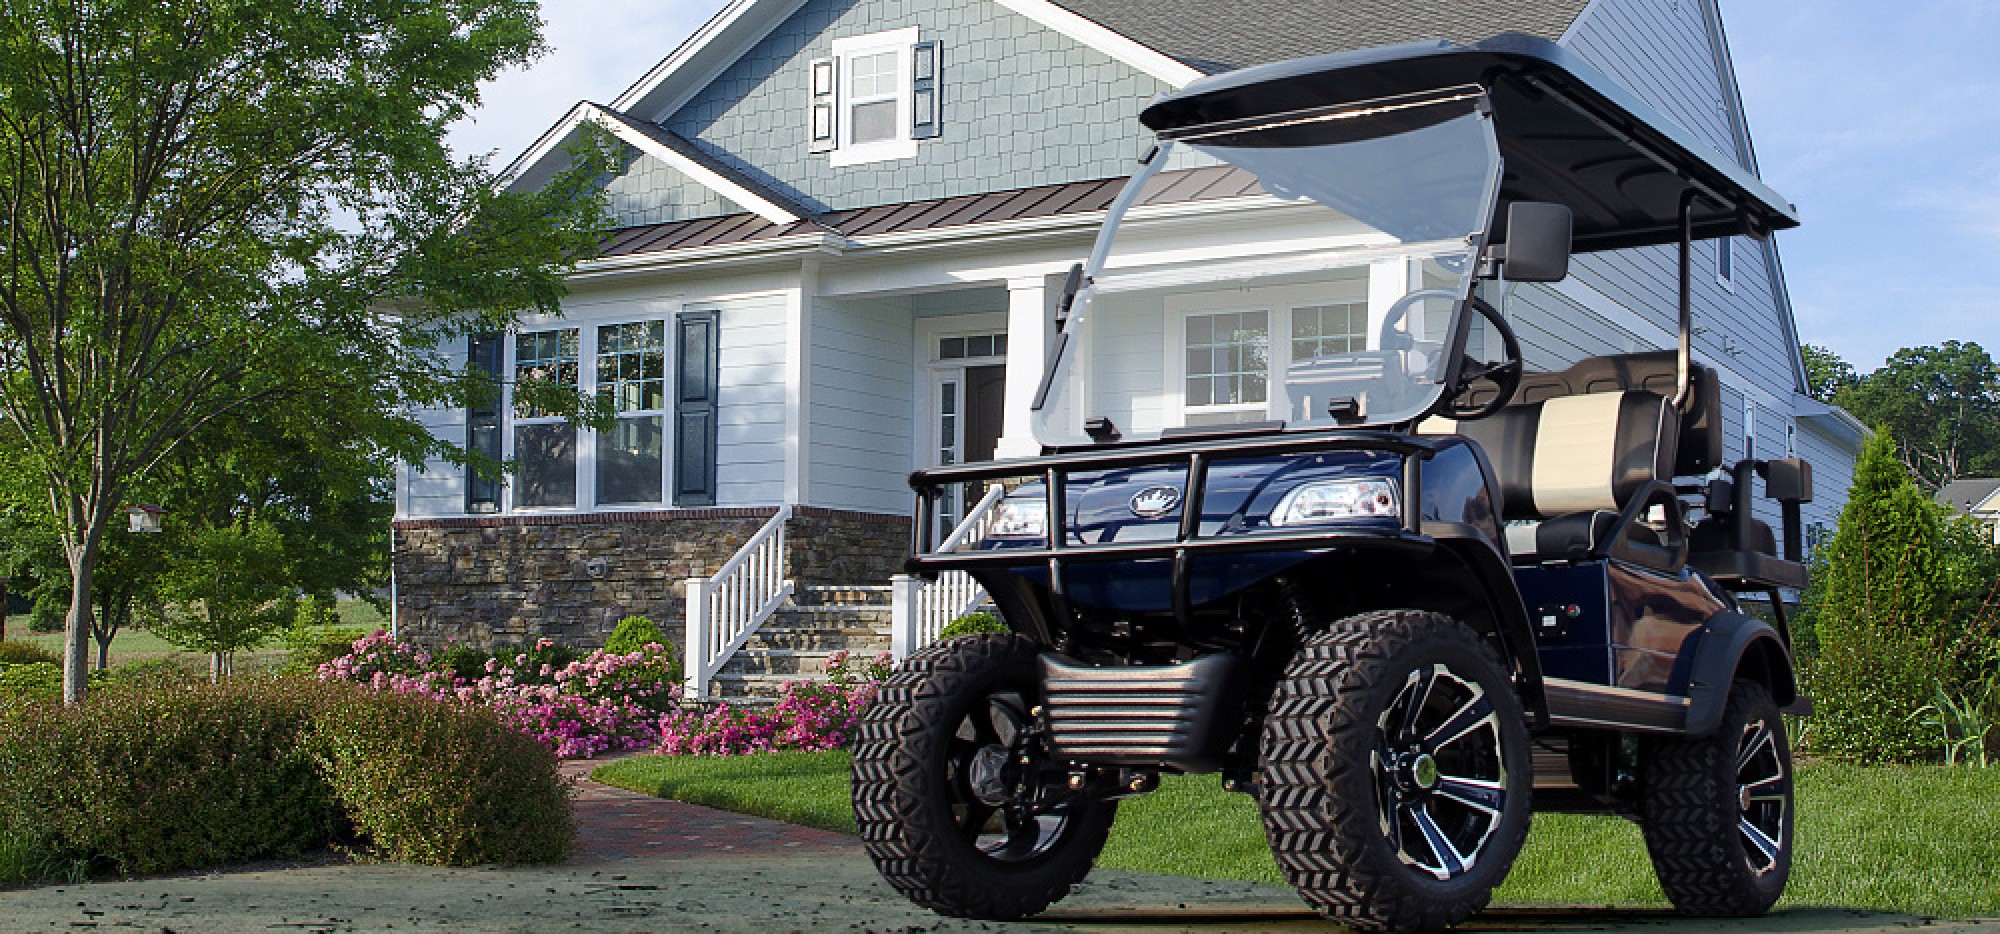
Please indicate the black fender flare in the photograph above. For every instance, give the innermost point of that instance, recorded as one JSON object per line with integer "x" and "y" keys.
{"x": 1733, "y": 644}
{"x": 1475, "y": 551}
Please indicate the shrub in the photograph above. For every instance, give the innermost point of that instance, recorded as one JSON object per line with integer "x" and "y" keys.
{"x": 633, "y": 634}
{"x": 26, "y": 653}
{"x": 155, "y": 673}
{"x": 49, "y": 614}
{"x": 431, "y": 781}
{"x": 23, "y": 683}
{"x": 970, "y": 624}
{"x": 308, "y": 647}
{"x": 810, "y": 716}
{"x": 146, "y": 781}
{"x": 1881, "y": 644}
{"x": 461, "y": 661}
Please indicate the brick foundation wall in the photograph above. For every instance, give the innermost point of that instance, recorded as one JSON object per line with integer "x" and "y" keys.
{"x": 500, "y": 580}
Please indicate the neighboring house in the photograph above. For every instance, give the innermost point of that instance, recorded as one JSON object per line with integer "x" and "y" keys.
{"x": 843, "y": 223}
{"x": 1979, "y": 499}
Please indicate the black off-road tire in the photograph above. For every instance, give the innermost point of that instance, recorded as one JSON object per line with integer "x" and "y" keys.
{"x": 1318, "y": 784}
{"x": 1695, "y": 801}
{"x": 903, "y": 796}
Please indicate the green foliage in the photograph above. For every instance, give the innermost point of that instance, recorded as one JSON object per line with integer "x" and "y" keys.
{"x": 633, "y": 634}
{"x": 23, "y": 653}
{"x": 36, "y": 681}
{"x": 48, "y": 613}
{"x": 150, "y": 778}
{"x": 315, "y": 613}
{"x": 194, "y": 292}
{"x": 460, "y": 661}
{"x": 970, "y": 624}
{"x": 1826, "y": 373}
{"x": 228, "y": 591}
{"x": 151, "y": 781}
{"x": 1881, "y": 641}
{"x": 153, "y": 674}
{"x": 1966, "y": 724}
{"x": 1942, "y": 406}
{"x": 445, "y": 784}
{"x": 307, "y": 648}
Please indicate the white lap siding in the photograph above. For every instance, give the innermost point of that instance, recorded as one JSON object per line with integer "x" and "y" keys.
{"x": 750, "y": 412}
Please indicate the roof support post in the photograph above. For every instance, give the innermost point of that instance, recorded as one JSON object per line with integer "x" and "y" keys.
{"x": 1684, "y": 379}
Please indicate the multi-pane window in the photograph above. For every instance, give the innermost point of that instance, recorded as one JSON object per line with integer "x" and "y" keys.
{"x": 1227, "y": 358}
{"x": 544, "y": 444}
{"x": 1319, "y": 330}
{"x": 631, "y": 377}
{"x": 979, "y": 345}
{"x": 874, "y": 86}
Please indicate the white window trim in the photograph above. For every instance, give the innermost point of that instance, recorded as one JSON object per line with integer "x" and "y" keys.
{"x": 665, "y": 414}
{"x": 846, "y": 152}
{"x": 1278, "y": 304}
{"x": 1725, "y": 263}
{"x": 586, "y": 437}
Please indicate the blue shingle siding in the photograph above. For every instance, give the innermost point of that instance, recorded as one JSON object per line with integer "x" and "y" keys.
{"x": 648, "y": 191}
{"x": 1023, "y": 106}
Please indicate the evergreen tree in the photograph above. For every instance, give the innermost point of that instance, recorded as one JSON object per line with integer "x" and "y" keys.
{"x": 1882, "y": 640}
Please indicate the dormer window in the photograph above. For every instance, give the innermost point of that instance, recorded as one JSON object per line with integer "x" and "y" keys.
{"x": 874, "y": 97}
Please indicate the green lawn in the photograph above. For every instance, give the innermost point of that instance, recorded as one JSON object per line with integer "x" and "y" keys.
{"x": 138, "y": 645}
{"x": 1921, "y": 840}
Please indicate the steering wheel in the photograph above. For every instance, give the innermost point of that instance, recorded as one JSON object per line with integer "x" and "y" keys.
{"x": 1396, "y": 338}
{"x": 1504, "y": 375}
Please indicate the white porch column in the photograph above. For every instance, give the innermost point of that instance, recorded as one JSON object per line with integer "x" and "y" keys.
{"x": 696, "y": 648}
{"x": 903, "y": 590}
{"x": 1030, "y": 316}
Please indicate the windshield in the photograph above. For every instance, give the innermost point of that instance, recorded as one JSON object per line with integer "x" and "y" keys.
{"x": 1319, "y": 289}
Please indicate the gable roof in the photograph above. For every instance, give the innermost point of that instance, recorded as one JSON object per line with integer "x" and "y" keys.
{"x": 1216, "y": 35}
{"x": 1964, "y": 496}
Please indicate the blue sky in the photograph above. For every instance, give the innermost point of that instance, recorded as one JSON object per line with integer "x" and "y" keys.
{"x": 1883, "y": 128}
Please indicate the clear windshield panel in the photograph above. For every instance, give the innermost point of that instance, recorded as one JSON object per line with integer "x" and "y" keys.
{"x": 1329, "y": 288}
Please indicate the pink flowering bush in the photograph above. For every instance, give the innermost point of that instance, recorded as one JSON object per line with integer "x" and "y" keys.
{"x": 579, "y": 707}
{"x": 809, "y": 715}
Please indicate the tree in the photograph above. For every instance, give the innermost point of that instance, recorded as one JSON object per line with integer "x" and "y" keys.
{"x": 208, "y": 206}
{"x": 1942, "y": 405}
{"x": 225, "y": 592}
{"x": 1882, "y": 642}
{"x": 1826, "y": 373}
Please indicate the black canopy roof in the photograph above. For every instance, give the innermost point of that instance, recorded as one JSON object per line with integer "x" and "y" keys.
{"x": 1567, "y": 133}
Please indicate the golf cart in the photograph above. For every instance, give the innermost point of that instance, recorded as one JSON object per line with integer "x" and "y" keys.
{"x": 1303, "y": 519}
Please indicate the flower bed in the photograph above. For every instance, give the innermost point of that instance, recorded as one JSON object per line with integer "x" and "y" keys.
{"x": 809, "y": 716}
{"x": 579, "y": 707}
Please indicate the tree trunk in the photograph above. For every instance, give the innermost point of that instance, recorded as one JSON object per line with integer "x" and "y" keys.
{"x": 76, "y": 638}
{"x": 216, "y": 667}
{"x": 3, "y": 609}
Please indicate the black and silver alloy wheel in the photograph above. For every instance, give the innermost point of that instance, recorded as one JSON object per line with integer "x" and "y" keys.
{"x": 1717, "y": 810}
{"x": 1439, "y": 775}
{"x": 1763, "y": 795}
{"x": 954, "y": 794}
{"x": 1394, "y": 774}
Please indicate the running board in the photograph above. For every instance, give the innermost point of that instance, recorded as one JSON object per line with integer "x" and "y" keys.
{"x": 1597, "y": 707}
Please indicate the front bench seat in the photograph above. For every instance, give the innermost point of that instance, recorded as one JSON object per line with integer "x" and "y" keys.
{"x": 1581, "y": 468}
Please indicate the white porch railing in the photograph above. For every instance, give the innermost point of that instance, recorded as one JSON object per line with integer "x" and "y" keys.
{"x": 921, "y": 608}
{"x": 724, "y": 611}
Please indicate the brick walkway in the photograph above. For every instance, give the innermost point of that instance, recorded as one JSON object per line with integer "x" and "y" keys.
{"x": 614, "y": 824}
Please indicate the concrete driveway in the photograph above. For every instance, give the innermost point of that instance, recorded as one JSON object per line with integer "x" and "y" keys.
{"x": 644, "y": 864}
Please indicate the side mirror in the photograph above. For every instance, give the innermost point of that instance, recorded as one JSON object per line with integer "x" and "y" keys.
{"x": 1537, "y": 247}
{"x": 1788, "y": 480}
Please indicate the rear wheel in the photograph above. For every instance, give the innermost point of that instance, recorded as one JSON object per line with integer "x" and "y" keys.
{"x": 1717, "y": 810}
{"x": 954, "y": 793}
{"x": 1395, "y": 775}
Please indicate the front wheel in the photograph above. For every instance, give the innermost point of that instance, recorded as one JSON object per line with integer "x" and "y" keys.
{"x": 1717, "y": 810}
{"x": 1395, "y": 773}
{"x": 954, "y": 793}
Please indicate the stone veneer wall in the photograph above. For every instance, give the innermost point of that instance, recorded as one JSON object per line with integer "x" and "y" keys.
{"x": 498, "y": 580}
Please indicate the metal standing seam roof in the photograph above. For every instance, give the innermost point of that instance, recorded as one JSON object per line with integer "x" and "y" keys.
{"x": 1216, "y": 35}
{"x": 1203, "y": 184}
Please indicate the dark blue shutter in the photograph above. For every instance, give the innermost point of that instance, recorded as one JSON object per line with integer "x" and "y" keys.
{"x": 822, "y": 105}
{"x": 696, "y": 378}
{"x": 926, "y": 107}
{"x": 482, "y": 429}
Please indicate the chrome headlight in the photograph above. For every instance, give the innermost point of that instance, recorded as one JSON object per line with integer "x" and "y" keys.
{"x": 1019, "y": 518}
{"x": 1335, "y": 500}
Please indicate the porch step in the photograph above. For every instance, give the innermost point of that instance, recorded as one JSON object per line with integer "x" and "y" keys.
{"x": 794, "y": 644}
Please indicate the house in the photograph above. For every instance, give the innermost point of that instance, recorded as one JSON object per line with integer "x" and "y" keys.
{"x": 842, "y": 225}
{"x": 1978, "y": 498}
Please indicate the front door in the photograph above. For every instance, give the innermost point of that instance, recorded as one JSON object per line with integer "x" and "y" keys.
{"x": 968, "y": 398}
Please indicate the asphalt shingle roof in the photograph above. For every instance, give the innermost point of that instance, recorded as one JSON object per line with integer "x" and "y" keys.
{"x": 1215, "y": 35}
{"x": 1961, "y": 495}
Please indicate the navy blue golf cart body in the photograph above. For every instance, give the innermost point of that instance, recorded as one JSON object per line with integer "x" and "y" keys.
{"x": 1301, "y": 518}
